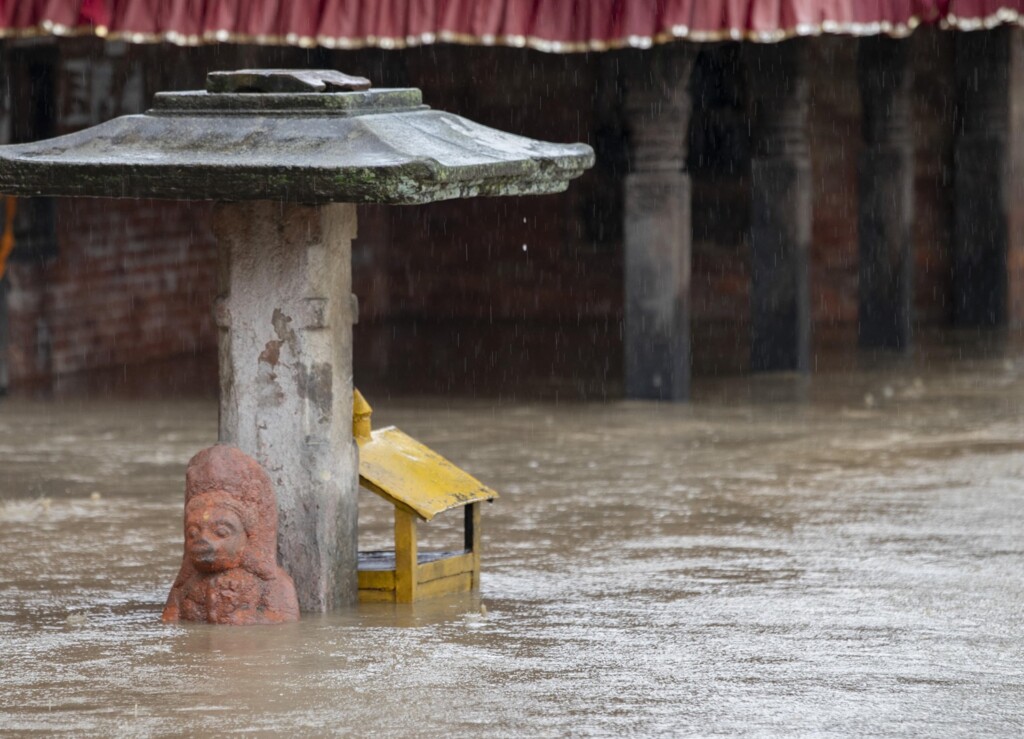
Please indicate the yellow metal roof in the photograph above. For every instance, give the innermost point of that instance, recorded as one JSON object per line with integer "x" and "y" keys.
{"x": 414, "y": 477}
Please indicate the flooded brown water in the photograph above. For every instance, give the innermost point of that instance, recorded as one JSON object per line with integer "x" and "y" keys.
{"x": 842, "y": 555}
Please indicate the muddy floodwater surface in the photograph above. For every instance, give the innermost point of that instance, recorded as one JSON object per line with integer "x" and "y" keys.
{"x": 841, "y": 555}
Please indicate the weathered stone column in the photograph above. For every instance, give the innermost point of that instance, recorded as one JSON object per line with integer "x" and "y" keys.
{"x": 980, "y": 184}
{"x": 657, "y": 226}
{"x": 886, "y": 182}
{"x": 780, "y": 209}
{"x": 285, "y": 313}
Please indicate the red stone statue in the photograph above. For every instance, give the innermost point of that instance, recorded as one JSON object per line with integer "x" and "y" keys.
{"x": 229, "y": 574}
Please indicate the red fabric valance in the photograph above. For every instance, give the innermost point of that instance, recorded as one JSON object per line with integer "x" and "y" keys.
{"x": 548, "y": 25}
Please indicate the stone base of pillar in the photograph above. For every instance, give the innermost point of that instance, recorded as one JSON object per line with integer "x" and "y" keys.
{"x": 285, "y": 314}
{"x": 657, "y": 241}
{"x": 780, "y": 303}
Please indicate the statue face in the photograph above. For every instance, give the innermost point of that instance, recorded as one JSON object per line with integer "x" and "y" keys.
{"x": 214, "y": 538}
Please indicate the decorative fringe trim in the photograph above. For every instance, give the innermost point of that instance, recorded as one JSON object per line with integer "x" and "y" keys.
{"x": 1004, "y": 16}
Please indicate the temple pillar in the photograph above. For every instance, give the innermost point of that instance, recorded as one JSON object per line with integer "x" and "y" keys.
{"x": 982, "y": 180}
{"x": 656, "y": 229}
{"x": 285, "y": 314}
{"x": 886, "y": 189}
{"x": 780, "y": 208}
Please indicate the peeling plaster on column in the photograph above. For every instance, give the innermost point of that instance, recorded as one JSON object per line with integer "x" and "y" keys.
{"x": 286, "y": 379}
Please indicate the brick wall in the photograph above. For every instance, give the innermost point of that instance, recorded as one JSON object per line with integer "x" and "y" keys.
{"x": 133, "y": 282}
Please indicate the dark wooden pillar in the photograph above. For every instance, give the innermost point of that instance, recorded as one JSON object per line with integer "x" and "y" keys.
{"x": 780, "y": 209}
{"x": 886, "y": 208}
{"x": 980, "y": 185}
{"x": 657, "y": 225}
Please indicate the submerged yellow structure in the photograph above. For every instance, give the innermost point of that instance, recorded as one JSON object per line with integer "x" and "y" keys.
{"x": 420, "y": 484}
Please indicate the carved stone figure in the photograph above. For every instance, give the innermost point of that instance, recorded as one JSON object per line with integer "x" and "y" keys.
{"x": 229, "y": 574}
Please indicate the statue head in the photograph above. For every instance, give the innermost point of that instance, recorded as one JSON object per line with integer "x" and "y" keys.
{"x": 215, "y": 532}
{"x": 230, "y": 513}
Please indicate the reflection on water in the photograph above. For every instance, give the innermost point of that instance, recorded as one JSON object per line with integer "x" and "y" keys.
{"x": 835, "y": 555}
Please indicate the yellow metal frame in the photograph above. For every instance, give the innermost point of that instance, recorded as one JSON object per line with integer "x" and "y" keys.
{"x": 419, "y": 483}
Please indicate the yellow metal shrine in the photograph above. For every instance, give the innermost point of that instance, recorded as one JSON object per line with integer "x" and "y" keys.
{"x": 420, "y": 484}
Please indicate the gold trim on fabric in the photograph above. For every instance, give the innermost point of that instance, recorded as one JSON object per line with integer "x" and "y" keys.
{"x": 1003, "y": 16}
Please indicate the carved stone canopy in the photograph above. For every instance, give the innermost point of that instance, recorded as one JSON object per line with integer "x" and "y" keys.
{"x": 291, "y": 135}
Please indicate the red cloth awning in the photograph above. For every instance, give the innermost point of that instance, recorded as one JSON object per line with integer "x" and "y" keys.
{"x": 548, "y": 25}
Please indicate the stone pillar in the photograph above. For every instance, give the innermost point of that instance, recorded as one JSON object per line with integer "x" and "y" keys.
{"x": 285, "y": 313}
{"x": 780, "y": 209}
{"x": 981, "y": 180}
{"x": 657, "y": 226}
{"x": 886, "y": 181}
